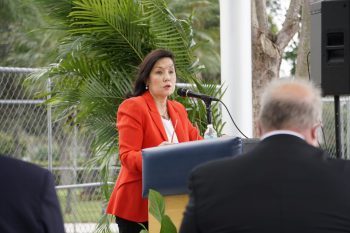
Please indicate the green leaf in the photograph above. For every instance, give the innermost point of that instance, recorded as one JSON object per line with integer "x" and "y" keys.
{"x": 156, "y": 204}
{"x": 103, "y": 225}
{"x": 167, "y": 226}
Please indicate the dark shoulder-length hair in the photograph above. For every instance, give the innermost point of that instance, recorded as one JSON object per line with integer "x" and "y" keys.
{"x": 145, "y": 68}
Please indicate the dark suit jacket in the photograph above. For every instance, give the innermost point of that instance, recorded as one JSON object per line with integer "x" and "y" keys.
{"x": 28, "y": 200}
{"x": 282, "y": 185}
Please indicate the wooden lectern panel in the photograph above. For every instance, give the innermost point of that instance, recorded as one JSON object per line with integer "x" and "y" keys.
{"x": 174, "y": 207}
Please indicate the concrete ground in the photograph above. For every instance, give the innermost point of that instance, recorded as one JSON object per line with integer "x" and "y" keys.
{"x": 86, "y": 227}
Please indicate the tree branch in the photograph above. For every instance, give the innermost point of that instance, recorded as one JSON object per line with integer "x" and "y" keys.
{"x": 290, "y": 24}
{"x": 255, "y": 24}
{"x": 304, "y": 42}
{"x": 260, "y": 9}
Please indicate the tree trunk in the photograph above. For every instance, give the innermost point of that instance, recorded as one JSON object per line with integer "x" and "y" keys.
{"x": 267, "y": 48}
{"x": 303, "y": 57}
{"x": 266, "y": 68}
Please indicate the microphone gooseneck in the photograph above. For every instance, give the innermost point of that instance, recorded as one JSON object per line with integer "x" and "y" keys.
{"x": 183, "y": 92}
{"x": 207, "y": 99}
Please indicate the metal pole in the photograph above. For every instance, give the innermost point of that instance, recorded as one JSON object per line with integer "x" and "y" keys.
{"x": 49, "y": 128}
{"x": 347, "y": 142}
{"x": 337, "y": 127}
{"x": 208, "y": 108}
{"x": 75, "y": 152}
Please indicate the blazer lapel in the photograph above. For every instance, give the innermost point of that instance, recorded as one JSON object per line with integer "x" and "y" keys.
{"x": 155, "y": 114}
{"x": 177, "y": 123}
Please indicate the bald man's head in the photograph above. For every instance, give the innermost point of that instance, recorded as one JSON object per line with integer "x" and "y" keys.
{"x": 290, "y": 104}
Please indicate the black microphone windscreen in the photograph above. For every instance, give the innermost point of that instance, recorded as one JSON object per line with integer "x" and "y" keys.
{"x": 182, "y": 92}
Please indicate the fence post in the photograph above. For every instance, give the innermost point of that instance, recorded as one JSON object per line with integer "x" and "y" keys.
{"x": 75, "y": 151}
{"x": 49, "y": 128}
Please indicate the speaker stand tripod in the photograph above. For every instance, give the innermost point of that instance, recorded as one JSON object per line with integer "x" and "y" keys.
{"x": 338, "y": 143}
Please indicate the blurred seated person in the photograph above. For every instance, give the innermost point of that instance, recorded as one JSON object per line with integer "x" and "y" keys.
{"x": 28, "y": 200}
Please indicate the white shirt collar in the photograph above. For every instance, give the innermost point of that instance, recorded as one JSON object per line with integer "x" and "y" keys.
{"x": 277, "y": 132}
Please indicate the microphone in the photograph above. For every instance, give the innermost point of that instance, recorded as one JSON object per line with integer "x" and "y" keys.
{"x": 188, "y": 93}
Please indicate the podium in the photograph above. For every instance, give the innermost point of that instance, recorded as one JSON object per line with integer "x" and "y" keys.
{"x": 166, "y": 169}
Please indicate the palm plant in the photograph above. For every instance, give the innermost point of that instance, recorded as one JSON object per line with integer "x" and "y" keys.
{"x": 104, "y": 43}
{"x": 205, "y": 20}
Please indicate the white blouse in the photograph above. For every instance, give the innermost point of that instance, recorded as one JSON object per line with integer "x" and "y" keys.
{"x": 170, "y": 131}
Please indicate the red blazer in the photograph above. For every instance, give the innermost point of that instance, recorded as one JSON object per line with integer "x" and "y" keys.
{"x": 140, "y": 126}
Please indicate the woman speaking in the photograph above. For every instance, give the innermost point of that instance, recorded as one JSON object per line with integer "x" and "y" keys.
{"x": 146, "y": 119}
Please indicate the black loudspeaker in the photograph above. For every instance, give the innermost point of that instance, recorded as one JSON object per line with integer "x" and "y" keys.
{"x": 330, "y": 64}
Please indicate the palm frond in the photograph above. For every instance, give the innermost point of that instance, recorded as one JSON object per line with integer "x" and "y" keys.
{"x": 103, "y": 224}
{"x": 112, "y": 25}
{"x": 171, "y": 33}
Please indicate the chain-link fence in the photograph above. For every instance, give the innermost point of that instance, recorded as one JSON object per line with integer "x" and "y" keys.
{"x": 328, "y": 138}
{"x": 27, "y": 132}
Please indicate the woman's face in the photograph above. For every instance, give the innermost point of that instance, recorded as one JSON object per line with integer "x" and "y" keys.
{"x": 162, "y": 79}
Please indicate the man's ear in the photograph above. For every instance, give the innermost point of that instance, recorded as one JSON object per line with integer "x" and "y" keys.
{"x": 314, "y": 132}
{"x": 314, "y": 139}
{"x": 259, "y": 129}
